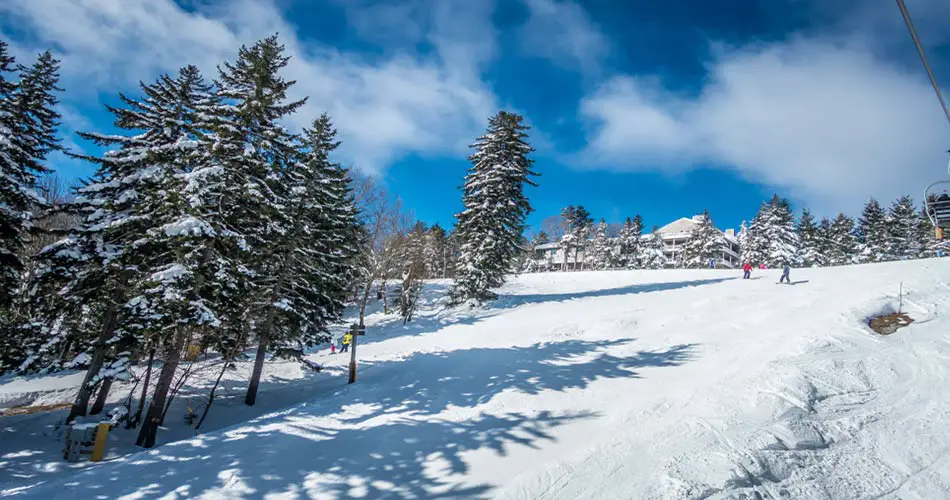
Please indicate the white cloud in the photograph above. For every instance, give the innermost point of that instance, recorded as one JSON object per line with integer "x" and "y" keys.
{"x": 562, "y": 32}
{"x": 383, "y": 109}
{"x": 828, "y": 122}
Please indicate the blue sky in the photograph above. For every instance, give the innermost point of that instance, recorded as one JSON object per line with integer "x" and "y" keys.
{"x": 657, "y": 108}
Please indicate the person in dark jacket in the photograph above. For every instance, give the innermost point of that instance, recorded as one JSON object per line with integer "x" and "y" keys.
{"x": 785, "y": 274}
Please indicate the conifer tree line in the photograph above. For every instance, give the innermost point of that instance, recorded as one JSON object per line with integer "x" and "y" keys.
{"x": 206, "y": 226}
{"x": 900, "y": 231}
{"x": 772, "y": 238}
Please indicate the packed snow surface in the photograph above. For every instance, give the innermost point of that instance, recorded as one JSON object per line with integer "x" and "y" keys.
{"x": 589, "y": 385}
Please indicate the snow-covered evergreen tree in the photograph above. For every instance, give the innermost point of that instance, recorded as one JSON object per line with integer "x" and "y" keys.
{"x": 113, "y": 254}
{"x": 631, "y": 247}
{"x": 842, "y": 241}
{"x": 811, "y": 249}
{"x": 825, "y": 243}
{"x": 436, "y": 246}
{"x": 929, "y": 244}
{"x": 653, "y": 251}
{"x": 743, "y": 238}
{"x": 904, "y": 229}
{"x": 28, "y": 122}
{"x": 872, "y": 233}
{"x": 756, "y": 246}
{"x": 601, "y": 254}
{"x": 320, "y": 246}
{"x": 495, "y": 207}
{"x": 575, "y": 239}
{"x": 772, "y": 237}
{"x": 704, "y": 244}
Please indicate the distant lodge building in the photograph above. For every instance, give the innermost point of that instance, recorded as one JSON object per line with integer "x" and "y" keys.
{"x": 675, "y": 235}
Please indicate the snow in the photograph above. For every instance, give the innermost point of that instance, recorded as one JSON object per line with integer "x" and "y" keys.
{"x": 170, "y": 274}
{"x": 589, "y": 385}
{"x": 188, "y": 226}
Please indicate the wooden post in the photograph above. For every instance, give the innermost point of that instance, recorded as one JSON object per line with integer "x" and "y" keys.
{"x": 354, "y": 330}
{"x": 938, "y": 233}
{"x": 900, "y": 306}
{"x": 99, "y": 447}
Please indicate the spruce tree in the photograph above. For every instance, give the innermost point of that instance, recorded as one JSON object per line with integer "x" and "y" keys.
{"x": 653, "y": 251}
{"x": 743, "y": 238}
{"x": 28, "y": 123}
{"x": 756, "y": 246}
{"x": 601, "y": 254}
{"x": 904, "y": 229}
{"x": 704, "y": 244}
{"x": 88, "y": 280}
{"x": 928, "y": 238}
{"x": 495, "y": 207}
{"x": 261, "y": 162}
{"x": 436, "y": 246}
{"x": 631, "y": 251}
{"x": 842, "y": 241}
{"x": 825, "y": 242}
{"x": 811, "y": 250}
{"x": 872, "y": 233}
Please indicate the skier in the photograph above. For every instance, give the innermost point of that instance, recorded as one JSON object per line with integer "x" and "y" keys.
{"x": 746, "y": 270}
{"x": 347, "y": 338}
{"x": 332, "y": 347}
{"x": 785, "y": 274}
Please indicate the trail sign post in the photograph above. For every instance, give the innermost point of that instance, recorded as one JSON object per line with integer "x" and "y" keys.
{"x": 356, "y": 329}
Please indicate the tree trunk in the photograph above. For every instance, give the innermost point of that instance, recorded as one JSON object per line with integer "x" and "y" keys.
{"x": 174, "y": 392}
{"x": 214, "y": 388}
{"x": 156, "y": 408}
{"x": 148, "y": 375}
{"x": 101, "y": 398}
{"x": 263, "y": 339}
{"x": 81, "y": 402}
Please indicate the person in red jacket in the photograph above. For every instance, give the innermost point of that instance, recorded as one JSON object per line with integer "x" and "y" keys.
{"x": 746, "y": 270}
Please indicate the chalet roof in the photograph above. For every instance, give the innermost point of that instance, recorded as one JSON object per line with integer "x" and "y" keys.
{"x": 681, "y": 225}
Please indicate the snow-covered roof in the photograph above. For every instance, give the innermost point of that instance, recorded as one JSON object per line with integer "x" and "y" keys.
{"x": 681, "y": 225}
{"x": 545, "y": 246}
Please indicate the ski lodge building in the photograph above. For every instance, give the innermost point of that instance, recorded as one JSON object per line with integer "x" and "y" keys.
{"x": 675, "y": 235}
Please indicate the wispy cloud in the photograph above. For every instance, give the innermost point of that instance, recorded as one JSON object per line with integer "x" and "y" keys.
{"x": 563, "y": 32}
{"x": 831, "y": 123}
{"x": 384, "y": 109}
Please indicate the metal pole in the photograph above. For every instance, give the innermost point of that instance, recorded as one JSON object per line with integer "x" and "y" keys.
{"x": 923, "y": 56}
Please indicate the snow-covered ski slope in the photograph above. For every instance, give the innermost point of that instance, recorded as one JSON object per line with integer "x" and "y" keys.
{"x": 602, "y": 385}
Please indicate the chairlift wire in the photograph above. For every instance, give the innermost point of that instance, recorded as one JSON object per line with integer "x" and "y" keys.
{"x": 923, "y": 56}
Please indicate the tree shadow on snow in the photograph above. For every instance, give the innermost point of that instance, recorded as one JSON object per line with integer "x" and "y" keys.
{"x": 509, "y": 301}
{"x": 386, "y": 437}
{"x": 427, "y": 321}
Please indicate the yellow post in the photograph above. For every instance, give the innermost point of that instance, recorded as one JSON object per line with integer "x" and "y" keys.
{"x": 193, "y": 351}
{"x": 99, "y": 448}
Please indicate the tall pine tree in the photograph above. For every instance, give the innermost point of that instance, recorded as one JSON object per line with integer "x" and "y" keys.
{"x": 772, "y": 239}
{"x": 811, "y": 251}
{"x": 653, "y": 251}
{"x": 704, "y": 245}
{"x": 28, "y": 123}
{"x": 601, "y": 255}
{"x": 842, "y": 241}
{"x": 872, "y": 233}
{"x": 493, "y": 219}
{"x": 904, "y": 229}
